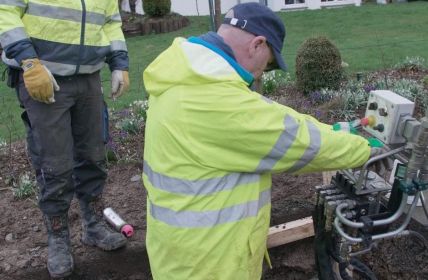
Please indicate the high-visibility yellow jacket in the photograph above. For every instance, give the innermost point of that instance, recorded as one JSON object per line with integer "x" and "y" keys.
{"x": 68, "y": 36}
{"x": 211, "y": 145}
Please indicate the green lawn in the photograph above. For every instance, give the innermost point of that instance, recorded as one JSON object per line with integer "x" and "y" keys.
{"x": 369, "y": 37}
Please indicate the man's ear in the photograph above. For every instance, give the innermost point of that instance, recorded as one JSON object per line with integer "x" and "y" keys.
{"x": 256, "y": 44}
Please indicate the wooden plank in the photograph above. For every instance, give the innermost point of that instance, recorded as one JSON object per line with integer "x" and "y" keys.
{"x": 326, "y": 177}
{"x": 290, "y": 232}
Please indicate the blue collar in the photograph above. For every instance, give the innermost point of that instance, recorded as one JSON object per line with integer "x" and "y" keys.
{"x": 244, "y": 74}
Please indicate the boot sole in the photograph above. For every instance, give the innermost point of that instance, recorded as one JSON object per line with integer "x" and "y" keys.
{"x": 64, "y": 274}
{"x": 102, "y": 246}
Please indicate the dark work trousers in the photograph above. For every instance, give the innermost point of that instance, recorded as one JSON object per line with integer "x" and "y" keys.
{"x": 66, "y": 141}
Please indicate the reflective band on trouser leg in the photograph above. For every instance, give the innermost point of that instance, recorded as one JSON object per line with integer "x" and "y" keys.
{"x": 194, "y": 219}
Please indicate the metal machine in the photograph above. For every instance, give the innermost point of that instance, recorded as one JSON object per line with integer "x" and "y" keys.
{"x": 360, "y": 207}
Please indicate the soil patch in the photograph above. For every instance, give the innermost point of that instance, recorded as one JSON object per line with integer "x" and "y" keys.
{"x": 23, "y": 245}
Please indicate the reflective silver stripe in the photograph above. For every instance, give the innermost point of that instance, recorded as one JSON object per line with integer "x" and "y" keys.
{"x": 10, "y": 62}
{"x": 118, "y": 46}
{"x": 312, "y": 150}
{"x": 95, "y": 18}
{"x": 194, "y": 219}
{"x": 281, "y": 146}
{"x": 270, "y": 101}
{"x": 115, "y": 17}
{"x": 198, "y": 187}
{"x": 62, "y": 69}
{"x": 12, "y": 36}
{"x": 18, "y": 3}
{"x": 64, "y": 13}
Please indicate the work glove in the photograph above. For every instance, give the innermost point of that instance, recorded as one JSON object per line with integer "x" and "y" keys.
{"x": 119, "y": 83}
{"x": 39, "y": 81}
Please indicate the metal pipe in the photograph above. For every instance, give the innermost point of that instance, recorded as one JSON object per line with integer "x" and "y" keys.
{"x": 361, "y": 252}
{"x": 212, "y": 19}
{"x": 424, "y": 206}
{"x": 383, "y": 235}
{"x": 344, "y": 234}
{"x": 388, "y": 220}
{"x": 404, "y": 225}
{"x": 358, "y": 184}
{"x": 417, "y": 158}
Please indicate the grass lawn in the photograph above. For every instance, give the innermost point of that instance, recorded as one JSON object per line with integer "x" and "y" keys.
{"x": 370, "y": 37}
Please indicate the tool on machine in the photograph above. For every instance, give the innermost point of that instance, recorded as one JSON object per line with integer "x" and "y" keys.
{"x": 117, "y": 222}
{"x": 360, "y": 207}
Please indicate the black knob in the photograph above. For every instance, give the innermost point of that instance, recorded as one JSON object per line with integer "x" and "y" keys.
{"x": 382, "y": 112}
{"x": 380, "y": 127}
{"x": 373, "y": 106}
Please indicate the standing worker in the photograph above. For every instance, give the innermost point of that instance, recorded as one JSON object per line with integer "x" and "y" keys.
{"x": 211, "y": 145}
{"x": 55, "y": 50}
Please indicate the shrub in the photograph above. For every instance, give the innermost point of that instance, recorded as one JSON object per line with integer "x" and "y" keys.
{"x": 425, "y": 81}
{"x": 318, "y": 65}
{"x": 157, "y": 8}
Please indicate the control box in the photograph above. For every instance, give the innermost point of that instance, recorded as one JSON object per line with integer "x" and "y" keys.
{"x": 385, "y": 109}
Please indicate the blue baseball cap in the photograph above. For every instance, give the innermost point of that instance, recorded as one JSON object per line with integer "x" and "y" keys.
{"x": 259, "y": 20}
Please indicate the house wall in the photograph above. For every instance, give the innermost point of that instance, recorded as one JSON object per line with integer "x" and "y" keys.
{"x": 201, "y": 7}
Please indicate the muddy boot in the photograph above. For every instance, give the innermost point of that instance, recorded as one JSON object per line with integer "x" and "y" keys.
{"x": 95, "y": 230}
{"x": 60, "y": 260}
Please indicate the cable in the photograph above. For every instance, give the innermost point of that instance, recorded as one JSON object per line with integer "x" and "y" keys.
{"x": 419, "y": 236}
{"x": 362, "y": 269}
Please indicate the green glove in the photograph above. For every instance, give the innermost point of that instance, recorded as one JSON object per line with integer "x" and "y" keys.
{"x": 375, "y": 143}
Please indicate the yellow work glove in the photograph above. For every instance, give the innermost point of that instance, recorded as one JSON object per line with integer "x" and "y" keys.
{"x": 119, "y": 83}
{"x": 39, "y": 81}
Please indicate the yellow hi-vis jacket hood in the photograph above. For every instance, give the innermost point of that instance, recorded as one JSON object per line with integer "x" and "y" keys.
{"x": 211, "y": 145}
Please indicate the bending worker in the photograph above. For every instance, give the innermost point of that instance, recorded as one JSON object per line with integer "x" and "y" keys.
{"x": 211, "y": 145}
{"x": 55, "y": 50}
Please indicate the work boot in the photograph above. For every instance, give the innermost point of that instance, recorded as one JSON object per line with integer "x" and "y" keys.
{"x": 60, "y": 260}
{"x": 95, "y": 230}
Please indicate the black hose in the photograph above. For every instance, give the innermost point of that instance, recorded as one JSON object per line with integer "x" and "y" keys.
{"x": 357, "y": 266}
{"x": 362, "y": 269}
{"x": 342, "y": 271}
{"x": 420, "y": 237}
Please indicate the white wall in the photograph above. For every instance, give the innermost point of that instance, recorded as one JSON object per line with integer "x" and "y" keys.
{"x": 201, "y": 7}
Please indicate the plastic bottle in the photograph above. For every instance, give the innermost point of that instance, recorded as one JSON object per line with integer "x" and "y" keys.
{"x": 117, "y": 222}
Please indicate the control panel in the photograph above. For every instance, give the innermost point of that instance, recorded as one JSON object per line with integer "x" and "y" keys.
{"x": 384, "y": 111}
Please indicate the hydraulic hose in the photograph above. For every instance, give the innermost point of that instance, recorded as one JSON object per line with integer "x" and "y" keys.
{"x": 388, "y": 220}
{"x": 382, "y": 235}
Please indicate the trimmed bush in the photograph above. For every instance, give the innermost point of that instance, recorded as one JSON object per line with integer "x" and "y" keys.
{"x": 157, "y": 8}
{"x": 318, "y": 65}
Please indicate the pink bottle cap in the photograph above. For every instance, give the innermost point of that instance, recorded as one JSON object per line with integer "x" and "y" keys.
{"x": 127, "y": 230}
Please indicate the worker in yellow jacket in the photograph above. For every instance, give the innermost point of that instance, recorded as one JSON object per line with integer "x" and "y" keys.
{"x": 55, "y": 51}
{"x": 211, "y": 145}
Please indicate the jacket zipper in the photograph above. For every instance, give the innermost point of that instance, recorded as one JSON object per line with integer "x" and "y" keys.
{"x": 82, "y": 37}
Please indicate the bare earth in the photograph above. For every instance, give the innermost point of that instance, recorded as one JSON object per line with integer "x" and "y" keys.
{"x": 23, "y": 244}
